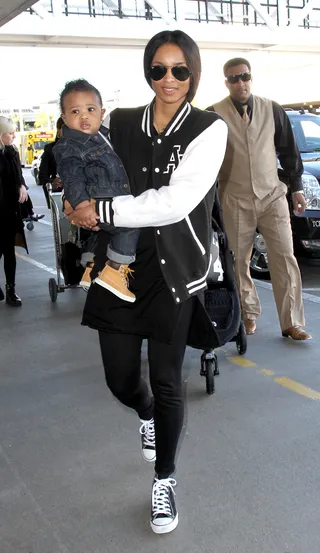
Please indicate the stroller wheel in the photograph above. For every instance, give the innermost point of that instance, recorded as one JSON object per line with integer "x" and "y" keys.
{"x": 241, "y": 340}
{"x": 30, "y": 226}
{"x": 210, "y": 366}
{"x": 53, "y": 290}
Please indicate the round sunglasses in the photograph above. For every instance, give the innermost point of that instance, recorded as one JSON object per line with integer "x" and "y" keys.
{"x": 180, "y": 72}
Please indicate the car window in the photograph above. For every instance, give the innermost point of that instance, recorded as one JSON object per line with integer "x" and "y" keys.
{"x": 311, "y": 131}
{"x": 307, "y": 133}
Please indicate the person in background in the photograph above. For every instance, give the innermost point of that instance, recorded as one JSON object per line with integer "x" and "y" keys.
{"x": 48, "y": 166}
{"x": 13, "y": 193}
{"x": 172, "y": 153}
{"x": 253, "y": 196}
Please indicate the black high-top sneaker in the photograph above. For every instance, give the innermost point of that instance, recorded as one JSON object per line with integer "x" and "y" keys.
{"x": 1, "y": 294}
{"x": 148, "y": 440}
{"x": 11, "y": 296}
{"x": 164, "y": 515}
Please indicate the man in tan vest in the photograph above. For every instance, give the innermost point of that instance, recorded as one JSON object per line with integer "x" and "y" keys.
{"x": 253, "y": 197}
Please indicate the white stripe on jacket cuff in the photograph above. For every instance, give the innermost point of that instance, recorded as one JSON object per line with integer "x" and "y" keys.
{"x": 105, "y": 211}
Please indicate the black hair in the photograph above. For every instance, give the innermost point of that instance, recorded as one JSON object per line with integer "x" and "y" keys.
{"x": 188, "y": 47}
{"x": 79, "y": 85}
{"x": 59, "y": 123}
{"x": 233, "y": 62}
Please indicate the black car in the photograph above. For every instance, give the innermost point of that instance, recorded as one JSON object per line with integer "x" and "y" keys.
{"x": 306, "y": 228}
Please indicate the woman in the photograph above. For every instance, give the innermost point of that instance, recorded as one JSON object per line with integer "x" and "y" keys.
{"x": 172, "y": 153}
{"x": 13, "y": 192}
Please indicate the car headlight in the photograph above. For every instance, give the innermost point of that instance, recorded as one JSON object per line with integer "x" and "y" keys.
{"x": 311, "y": 190}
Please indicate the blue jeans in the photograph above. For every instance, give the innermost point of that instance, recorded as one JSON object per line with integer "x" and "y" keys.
{"x": 121, "y": 245}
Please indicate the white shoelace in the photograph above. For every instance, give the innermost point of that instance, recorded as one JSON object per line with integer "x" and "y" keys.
{"x": 148, "y": 432}
{"x": 160, "y": 497}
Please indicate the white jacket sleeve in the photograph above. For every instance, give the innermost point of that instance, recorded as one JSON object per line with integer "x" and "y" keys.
{"x": 189, "y": 184}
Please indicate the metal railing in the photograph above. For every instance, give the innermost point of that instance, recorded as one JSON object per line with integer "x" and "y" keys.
{"x": 223, "y": 12}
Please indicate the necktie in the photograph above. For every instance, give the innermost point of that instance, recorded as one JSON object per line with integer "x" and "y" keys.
{"x": 245, "y": 116}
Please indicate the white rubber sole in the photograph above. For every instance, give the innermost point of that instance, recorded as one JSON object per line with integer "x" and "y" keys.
{"x": 165, "y": 529}
{"x": 151, "y": 459}
{"x": 114, "y": 291}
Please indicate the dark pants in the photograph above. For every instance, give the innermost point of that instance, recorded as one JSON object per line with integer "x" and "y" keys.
{"x": 121, "y": 355}
{"x": 7, "y": 241}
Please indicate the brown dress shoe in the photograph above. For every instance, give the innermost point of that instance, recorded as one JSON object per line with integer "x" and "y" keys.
{"x": 296, "y": 333}
{"x": 250, "y": 326}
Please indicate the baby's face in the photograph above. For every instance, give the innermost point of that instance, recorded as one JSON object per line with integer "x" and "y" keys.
{"x": 83, "y": 111}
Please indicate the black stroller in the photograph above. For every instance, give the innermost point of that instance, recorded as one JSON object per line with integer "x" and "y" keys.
{"x": 221, "y": 300}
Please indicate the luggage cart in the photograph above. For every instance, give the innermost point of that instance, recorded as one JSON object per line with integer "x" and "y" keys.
{"x": 62, "y": 231}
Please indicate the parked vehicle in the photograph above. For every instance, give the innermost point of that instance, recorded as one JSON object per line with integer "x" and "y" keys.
{"x": 305, "y": 228}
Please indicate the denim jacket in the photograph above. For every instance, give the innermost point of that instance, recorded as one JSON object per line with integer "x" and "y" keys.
{"x": 88, "y": 166}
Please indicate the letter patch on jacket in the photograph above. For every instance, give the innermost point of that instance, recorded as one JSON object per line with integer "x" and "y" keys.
{"x": 175, "y": 159}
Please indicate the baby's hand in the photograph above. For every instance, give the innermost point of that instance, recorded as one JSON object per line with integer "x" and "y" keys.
{"x": 85, "y": 217}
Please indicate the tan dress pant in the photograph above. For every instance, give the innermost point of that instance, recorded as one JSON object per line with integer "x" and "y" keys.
{"x": 271, "y": 215}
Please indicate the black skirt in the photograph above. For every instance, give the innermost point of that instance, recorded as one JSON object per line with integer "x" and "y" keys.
{"x": 153, "y": 314}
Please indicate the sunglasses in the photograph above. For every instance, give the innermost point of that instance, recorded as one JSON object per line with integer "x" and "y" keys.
{"x": 233, "y": 79}
{"x": 180, "y": 72}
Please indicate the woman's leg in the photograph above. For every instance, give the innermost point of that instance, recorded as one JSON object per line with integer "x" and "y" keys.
{"x": 9, "y": 261}
{"x": 9, "y": 264}
{"x": 121, "y": 356}
{"x": 165, "y": 362}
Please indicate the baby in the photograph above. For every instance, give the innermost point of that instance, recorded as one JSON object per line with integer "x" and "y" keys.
{"x": 90, "y": 169}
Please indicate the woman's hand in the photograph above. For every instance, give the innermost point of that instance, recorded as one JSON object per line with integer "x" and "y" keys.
{"x": 23, "y": 194}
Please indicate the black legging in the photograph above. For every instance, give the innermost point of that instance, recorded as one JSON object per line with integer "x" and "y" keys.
{"x": 121, "y": 355}
{"x": 7, "y": 241}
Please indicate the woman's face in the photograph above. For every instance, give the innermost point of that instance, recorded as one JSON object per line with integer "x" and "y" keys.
{"x": 7, "y": 138}
{"x": 170, "y": 90}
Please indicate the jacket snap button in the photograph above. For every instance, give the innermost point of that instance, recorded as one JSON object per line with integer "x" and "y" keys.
{"x": 157, "y": 170}
{"x": 125, "y": 186}
{"x": 144, "y": 169}
{"x": 162, "y": 261}
{"x": 178, "y": 300}
{"x": 159, "y": 140}
{"x": 158, "y": 231}
{"x": 173, "y": 290}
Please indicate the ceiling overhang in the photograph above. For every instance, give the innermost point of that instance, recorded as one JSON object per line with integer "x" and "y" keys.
{"x": 11, "y": 8}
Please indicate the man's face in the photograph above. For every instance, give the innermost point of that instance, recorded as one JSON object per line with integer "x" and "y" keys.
{"x": 241, "y": 90}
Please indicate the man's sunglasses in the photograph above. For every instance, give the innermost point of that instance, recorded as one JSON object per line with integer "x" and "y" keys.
{"x": 180, "y": 72}
{"x": 233, "y": 79}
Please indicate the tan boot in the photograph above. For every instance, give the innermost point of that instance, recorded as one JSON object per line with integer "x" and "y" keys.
{"x": 85, "y": 281}
{"x": 116, "y": 281}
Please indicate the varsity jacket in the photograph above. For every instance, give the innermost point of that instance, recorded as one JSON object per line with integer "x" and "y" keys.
{"x": 181, "y": 164}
